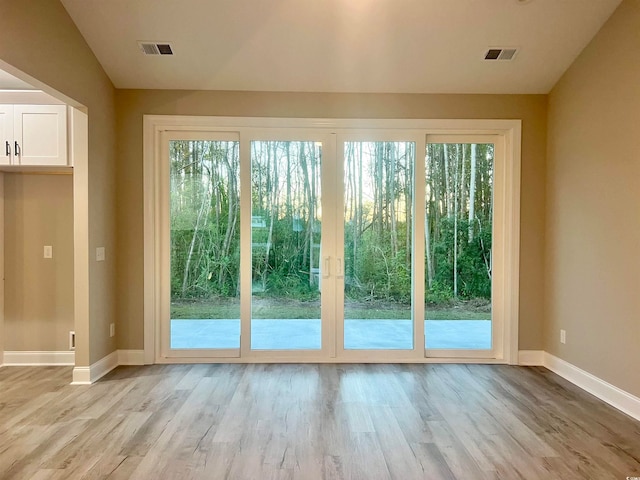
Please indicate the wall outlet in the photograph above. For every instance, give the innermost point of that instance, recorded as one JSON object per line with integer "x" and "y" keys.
{"x": 48, "y": 251}
{"x": 100, "y": 255}
{"x": 72, "y": 340}
{"x": 112, "y": 329}
{"x": 563, "y": 336}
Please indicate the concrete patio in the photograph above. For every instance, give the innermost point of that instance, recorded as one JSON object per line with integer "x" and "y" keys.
{"x": 304, "y": 334}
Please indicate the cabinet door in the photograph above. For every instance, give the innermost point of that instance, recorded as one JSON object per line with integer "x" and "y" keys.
{"x": 40, "y": 132}
{"x": 6, "y": 134}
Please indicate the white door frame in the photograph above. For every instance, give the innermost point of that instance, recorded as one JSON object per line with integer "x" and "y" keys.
{"x": 509, "y": 130}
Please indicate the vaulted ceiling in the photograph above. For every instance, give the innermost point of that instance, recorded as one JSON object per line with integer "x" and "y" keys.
{"x": 394, "y": 46}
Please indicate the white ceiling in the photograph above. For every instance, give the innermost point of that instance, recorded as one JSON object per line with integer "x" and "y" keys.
{"x": 393, "y": 46}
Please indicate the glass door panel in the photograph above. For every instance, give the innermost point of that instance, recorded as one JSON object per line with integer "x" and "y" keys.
{"x": 286, "y": 213}
{"x": 378, "y": 200}
{"x": 459, "y": 210}
{"x": 204, "y": 248}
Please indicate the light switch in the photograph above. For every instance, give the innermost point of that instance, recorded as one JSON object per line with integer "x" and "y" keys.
{"x": 100, "y": 254}
{"x": 48, "y": 251}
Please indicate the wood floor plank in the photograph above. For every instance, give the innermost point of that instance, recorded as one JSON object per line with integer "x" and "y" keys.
{"x": 307, "y": 422}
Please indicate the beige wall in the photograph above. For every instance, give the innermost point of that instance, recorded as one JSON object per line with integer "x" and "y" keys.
{"x": 592, "y": 222}
{"x": 39, "y": 38}
{"x": 132, "y": 104}
{"x": 38, "y": 307}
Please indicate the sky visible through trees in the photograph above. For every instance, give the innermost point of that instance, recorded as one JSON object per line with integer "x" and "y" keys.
{"x": 286, "y": 219}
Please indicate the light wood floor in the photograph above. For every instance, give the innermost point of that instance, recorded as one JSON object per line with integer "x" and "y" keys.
{"x": 310, "y": 422}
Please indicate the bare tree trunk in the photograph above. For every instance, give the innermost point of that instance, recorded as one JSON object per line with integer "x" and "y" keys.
{"x": 461, "y": 191}
{"x": 455, "y": 223}
{"x": 289, "y": 204}
{"x": 428, "y": 253}
{"x": 391, "y": 186}
{"x": 472, "y": 191}
{"x": 360, "y": 174}
{"x": 272, "y": 190}
{"x": 355, "y": 219}
{"x": 232, "y": 211}
{"x": 432, "y": 184}
{"x": 204, "y": 205}
{"x": 408, "y": 201}
{"x": 312, "y": 215}
{"x": 447, "y": 182}
{"x": 308, "y": 236}
{"x": 379, "y": 189}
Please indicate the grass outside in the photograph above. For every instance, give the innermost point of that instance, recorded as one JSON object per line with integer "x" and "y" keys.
{"x": 286, "y": 308}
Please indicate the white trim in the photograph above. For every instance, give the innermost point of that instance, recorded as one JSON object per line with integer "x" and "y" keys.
{"x": 155, "y": 125}
{"x": 531, "y": 358}
{"x": 79, "y": 148}
{"x": 130, "y": 357}
{"x": 614, "y": 396}
{"x": 1, "y": 268}
{"x": 103, "y": 366}
{"x": 89, "y": 375}
{"x": 219, "y": 124}
{"x": 97, "y": 370}
{"x": 513, "y": 157}
{"x": 149, "y": 255}
{"x": 38, "y": 359}
{"x": 81, "y": 376}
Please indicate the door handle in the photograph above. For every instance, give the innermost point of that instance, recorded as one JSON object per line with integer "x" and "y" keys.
{"x": 8, "y": 149}
{"x": 17, "y": 149}
{"x": 326, "y": 270}
{"x": 339, "y": 268}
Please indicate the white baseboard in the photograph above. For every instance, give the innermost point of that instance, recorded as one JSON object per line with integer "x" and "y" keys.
{"x": 38, "y": 359}
{"x": 97, "y": 370}
{"x": 130, "y": 357}
{"x": 531, "y": 358}
{"x": 606, "y": 392}
{"x": 93, "y": 373}
{"x": 81, "y": 376}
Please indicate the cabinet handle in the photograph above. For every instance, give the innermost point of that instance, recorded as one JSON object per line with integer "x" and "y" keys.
{"x": 17, "y": 149}
{"x": 8, "y": 149}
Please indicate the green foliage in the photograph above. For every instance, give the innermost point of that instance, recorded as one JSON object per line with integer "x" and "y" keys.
{"x": 205, "y": 221}
{"x": 473, "y": 277}
{"x": 374, "y": 272}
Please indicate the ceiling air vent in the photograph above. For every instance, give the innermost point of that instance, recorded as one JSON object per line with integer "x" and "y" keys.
{"x": 500, "y": 54}
{"x": 156, "y": 48}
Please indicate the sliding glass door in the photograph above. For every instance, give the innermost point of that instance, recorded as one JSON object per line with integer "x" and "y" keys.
{"x": 202, "y": 174}
{"x": 460, "y": 212}
{"x": 376, "y": 220}
{"x": 286, "y": 245}
{"x": 310, "y": 245}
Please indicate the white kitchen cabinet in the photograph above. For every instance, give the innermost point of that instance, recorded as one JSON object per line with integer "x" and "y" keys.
{"x": 34, "y": 135}
{"x": 6, "y": 134}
